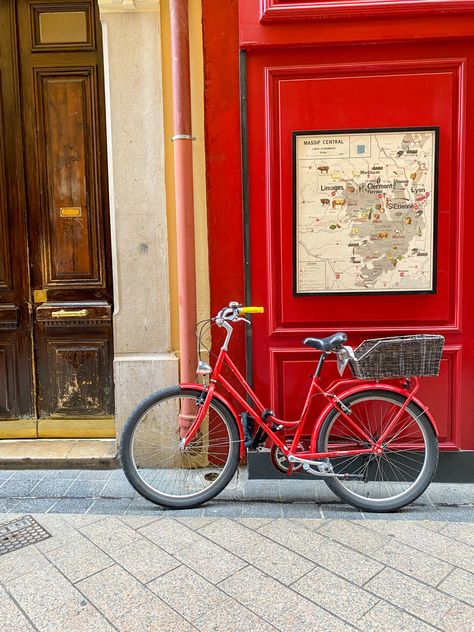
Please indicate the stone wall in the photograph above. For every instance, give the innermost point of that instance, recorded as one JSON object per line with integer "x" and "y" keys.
{"x": 143, "y": 361}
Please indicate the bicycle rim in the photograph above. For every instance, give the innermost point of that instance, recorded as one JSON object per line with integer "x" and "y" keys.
{"x": 405, "y": 464}
{"x": 166, "y": 473}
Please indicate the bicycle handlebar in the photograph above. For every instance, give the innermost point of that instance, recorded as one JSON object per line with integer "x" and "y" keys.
{"x": 233, "y": 314}
{"x": 251, "y": 310}
{"x": 233, "y": 311}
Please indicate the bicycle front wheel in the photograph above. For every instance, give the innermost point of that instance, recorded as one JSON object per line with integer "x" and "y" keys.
{"x": 394, "y": 478}
{"x": 156, "y": 466}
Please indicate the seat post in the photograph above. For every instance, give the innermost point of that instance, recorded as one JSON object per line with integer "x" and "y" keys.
{"x": 322, "y": 357}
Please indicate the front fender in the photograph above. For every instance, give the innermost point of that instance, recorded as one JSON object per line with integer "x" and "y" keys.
{"x": 369, "y": 386}
{"x": 227, "y": 404}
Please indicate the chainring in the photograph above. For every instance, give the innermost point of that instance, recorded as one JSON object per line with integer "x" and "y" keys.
{"x": 280, "y": 460}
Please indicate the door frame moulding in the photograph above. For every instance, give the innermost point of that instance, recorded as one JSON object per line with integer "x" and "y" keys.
{"x": 280, "y": 11}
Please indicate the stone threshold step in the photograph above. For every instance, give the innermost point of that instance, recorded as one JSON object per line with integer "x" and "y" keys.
{"x": 16, "y": 454}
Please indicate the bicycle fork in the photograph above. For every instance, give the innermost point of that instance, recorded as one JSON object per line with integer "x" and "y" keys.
{"x": 203, "y": 404}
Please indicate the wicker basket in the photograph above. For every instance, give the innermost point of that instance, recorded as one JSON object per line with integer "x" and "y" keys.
{"x": 402, "y": 356}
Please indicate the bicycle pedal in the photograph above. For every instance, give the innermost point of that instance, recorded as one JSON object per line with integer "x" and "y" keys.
{"x": 247, "y": 425}
{"x": 260, "y": 437}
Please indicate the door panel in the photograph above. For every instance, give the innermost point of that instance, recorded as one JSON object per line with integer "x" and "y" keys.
{"x": 439, "y": 84}
{"x": 5, "y": 254}
{"x": 64, "y": 131}
{"x": 70, "y": 210}
{"x": 8, "y": 371}
{"x": 74, "y": 350}
{"x": 16, "y": 386}
{"x": 74, "y": 369}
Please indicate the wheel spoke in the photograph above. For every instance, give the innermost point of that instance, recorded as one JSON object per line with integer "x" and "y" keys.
{"x": 391, "y": 475}
{"x": 162, "y": 471}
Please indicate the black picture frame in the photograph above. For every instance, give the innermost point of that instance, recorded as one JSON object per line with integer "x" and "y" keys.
{"x": 361, "y": 131}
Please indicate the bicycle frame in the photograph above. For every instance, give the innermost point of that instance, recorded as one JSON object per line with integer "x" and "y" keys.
{"x": 266, "y": 420}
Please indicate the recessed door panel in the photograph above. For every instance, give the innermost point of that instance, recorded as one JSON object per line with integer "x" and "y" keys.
{"x": 74, "y": 356}
{"x": 8, "y": 383}
{"x": 5, "y": 254}
{"x": 435, "y": 90}
{"x": 71, "y": 222}
{"x": 74, "y": 369}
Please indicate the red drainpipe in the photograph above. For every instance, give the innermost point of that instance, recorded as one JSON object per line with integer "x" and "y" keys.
{"x": 183, "y": 176}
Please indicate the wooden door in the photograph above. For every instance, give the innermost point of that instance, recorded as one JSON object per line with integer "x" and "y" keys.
{"x": 16, "y": 385}
{"x": 68, "y": 259}
{"x": 311, "y": 89}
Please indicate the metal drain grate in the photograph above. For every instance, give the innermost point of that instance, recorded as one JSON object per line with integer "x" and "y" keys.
{"x": 20, "y": 533}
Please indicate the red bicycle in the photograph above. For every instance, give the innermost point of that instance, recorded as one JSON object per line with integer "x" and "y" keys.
{"x": 374, "y": 443}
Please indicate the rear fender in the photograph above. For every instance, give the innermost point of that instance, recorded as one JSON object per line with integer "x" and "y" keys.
{"x": 228, "y": 405}
{"x": 369, "y": 386}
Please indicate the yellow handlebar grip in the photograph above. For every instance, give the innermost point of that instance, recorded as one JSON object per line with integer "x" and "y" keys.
{"x": 251, "y": 310}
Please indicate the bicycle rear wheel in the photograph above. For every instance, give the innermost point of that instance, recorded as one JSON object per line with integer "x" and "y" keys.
{"x": 408, "y": 463}
{"x": 156, "y": 466}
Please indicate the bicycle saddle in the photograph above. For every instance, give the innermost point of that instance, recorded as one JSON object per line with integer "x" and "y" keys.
{"x": 331, "y": 343}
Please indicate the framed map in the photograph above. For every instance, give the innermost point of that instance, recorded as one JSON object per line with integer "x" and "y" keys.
{"x": 364, "y": 205}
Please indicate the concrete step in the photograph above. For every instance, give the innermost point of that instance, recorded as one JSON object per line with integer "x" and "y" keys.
{"x": 58, "y": 454}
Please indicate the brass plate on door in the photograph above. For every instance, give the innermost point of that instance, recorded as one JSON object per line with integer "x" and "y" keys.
{"x": 39, "y": 296}
{"x": 63, "y": 27}
{"x": 70, "y": 211}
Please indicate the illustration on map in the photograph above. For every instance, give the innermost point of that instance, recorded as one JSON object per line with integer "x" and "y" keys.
{"x": 365, "y": 211}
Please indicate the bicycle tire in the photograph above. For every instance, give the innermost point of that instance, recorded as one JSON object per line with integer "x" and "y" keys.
{"x": 344, "y": 489}
{"x": 161, "y": 497}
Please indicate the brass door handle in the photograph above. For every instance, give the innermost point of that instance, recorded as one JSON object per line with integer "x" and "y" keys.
{"x": 70, "y": 313}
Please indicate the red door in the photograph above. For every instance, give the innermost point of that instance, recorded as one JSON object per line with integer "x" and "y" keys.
{"x": 319, "y": 66}
{"x": 421, "y": 83}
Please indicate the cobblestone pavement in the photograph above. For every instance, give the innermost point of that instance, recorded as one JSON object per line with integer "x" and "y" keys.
{"x": 108, "y": 492}
{"x": 267, "y": 555}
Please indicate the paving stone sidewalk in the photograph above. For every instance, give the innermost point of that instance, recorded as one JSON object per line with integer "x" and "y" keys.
{"x": 265, "y": 555}
{"x": 107, "y": 492}
{"x": 159, "y": 573}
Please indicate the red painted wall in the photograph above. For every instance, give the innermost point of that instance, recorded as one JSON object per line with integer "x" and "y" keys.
{"x": 223, "y": 160}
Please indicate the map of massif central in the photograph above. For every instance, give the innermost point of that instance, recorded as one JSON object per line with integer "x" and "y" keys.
{"x": 365, "y": 211}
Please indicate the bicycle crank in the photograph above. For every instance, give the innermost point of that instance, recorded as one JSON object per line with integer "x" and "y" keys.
{"x": 307, "y": 468}
{"x": 324, "y": 469}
